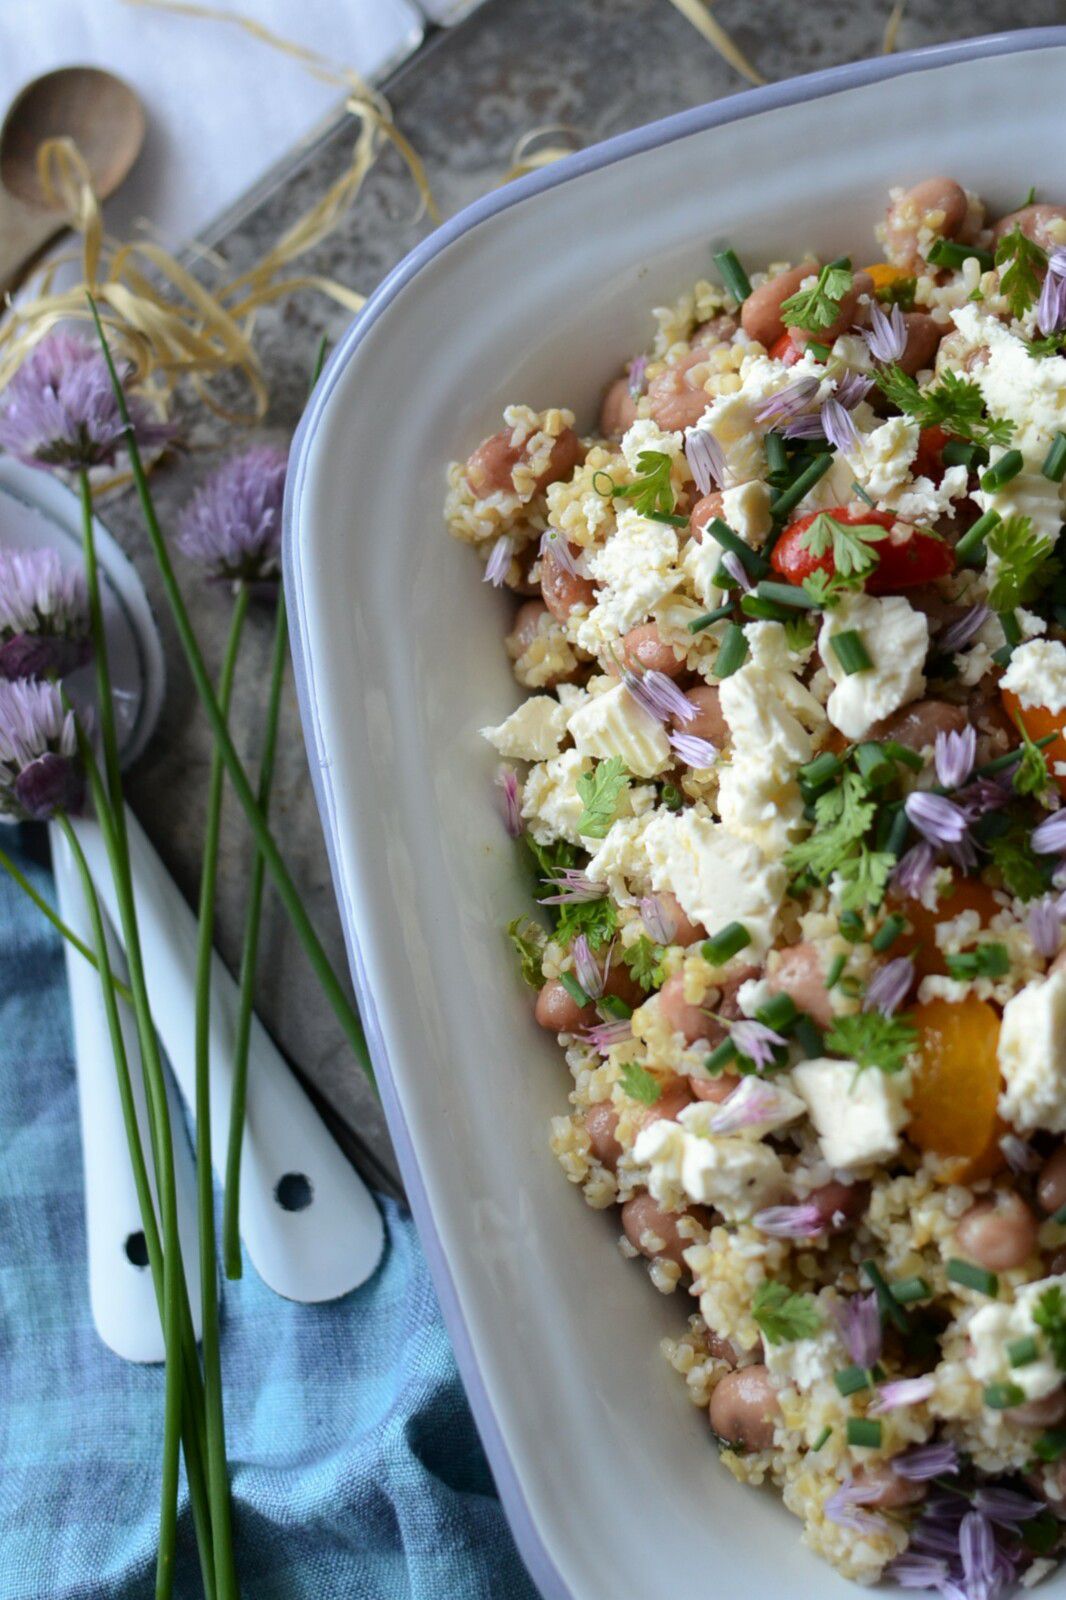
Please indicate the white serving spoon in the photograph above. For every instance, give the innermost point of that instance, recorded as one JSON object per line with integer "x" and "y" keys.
{"x": 308, "y": 1221}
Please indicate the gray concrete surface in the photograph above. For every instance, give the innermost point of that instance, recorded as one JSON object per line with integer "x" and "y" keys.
{"x": 598, "y": 65}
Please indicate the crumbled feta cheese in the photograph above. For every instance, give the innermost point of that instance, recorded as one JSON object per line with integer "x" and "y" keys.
{"x": 746, "y": 508}
{"x": 613, "y": 724}
{"x": 619, "y": 860}
{"x": 924, "y": 501}
{"x": 764, "y": 1104}
{"x": 802, "y": 1363}
{"x": 736, "y": 1176}
{"x": 1037, "y": 674}
{"x": 1032, "y": 1055}
{"x": 700, "y": 564}
{"x": 857, "y": 1115}
{"x": 550, "y": 801}
{"x": 896, "y": 639}
{"x": 636, "y": 568}
{"x": 716, "y": 877}
{"x": 532, "y": 733}
{"x": 881, "y": 460}
{"x": 645, "y": 434}
{"x": 995, "y": 1326}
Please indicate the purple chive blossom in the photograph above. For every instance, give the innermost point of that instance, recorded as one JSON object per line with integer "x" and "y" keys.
{"x": 808, "y": 426}
{"x": 605, "y": 1035}
{"x": 44, "y": 615}
{"x": 507, "y": 782}
{"x": 706, "y": 458}
{"x": 232, "y": 525}
{"x": 977, "y": 1547}
{"x": 573, "y": 887}
{"x": 1058, "y": 877}
{"x": 553, "y": 544}
{"x": 926, "y": 1461}
{"x": 789, "y": 1222}
{"x": 736, "y": 570}
{"x": 1006, "y": 1507}
{"x": 39, "y": 770}
{"x": 1045, "y": 925}
{"x": 499, "y": 562}
{"x": 914, "y": 870}
{"x": 587, "y": 969}
{"x": 1049, "y": 837}
{"x": 1057, "y": 262}
{"x": 954, "y": 755}
{"x": 1051, "y": 307}
{"x": 963, "y": 854}
{"x": 790, "y": 401}
{"x": 913, "y": 1571}
{"x": 1019, "y": 1156}
{"x": 659, "y": 696}
{"x": 851, "y": 388}
{"x": 859, "y": 1323}
{"x": 984, "y": 795}
{"x": 693, "y": 751}
{"x": 756, "y": 1041}
{"x": 60, "y": 411}
{"x": 959, "y": 634}
{"x": 751, "y": 1103}
{"x": 889, "y": 986}
{"x": 886, "y": 337}
{"x": 638, "y": 368}
{"x": 838, "y": 426}
{"x": 660, "y": 923}
{"x": 938, "y": 819}
{"x": 903, "y": 1392}
{"x": 844, "y": 1508}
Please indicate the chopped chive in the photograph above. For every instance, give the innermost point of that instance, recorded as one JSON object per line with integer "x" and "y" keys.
{"x": 960, "y": 453}
{"x": 776, "y": 454}
{"x": 732, "y": 652}
{"x": 790, "y": 497}
{"x": 850, "y": 1380}
{"x": 1023, "y": 1352}
{"x": 1007, "y": 467}
{"x": 1002, "y": 656}
{"x": 991, "y": 960}
{"x": 817, "y": 773}
{"x": 907, "y": 1290}
{"x": 1001, "y": 1396}
{"x": 888, "y": 933}
{"x": 753, "y": 605}
{"x": 1054, "y": 466}
{"x": 723, "y": 579}
{"x": 1050, "y": 1445}
{"x": 733, "y": 275}
{"x": 613, "y": 1006}
{"x": 573, "y": 989}
{"x": 808, "y": 1037}
{"x": 709, "y": 618}
{"x": 820, "y": 352}
{"x": 851, "y": 652}
{"x": 778, "y": 1013}
{"x": 1000, "y": 763}
{"x": 669, "y": 517}
{"x": 970, "y": 550}
{"x": 900, "y": 752}
{"x": 836, "y": 967}
{"x": 725, "y": 944}
{"x": 852, "y": 927}
{"x": 946, "y": 253}
{"x": 671, "y": 797}
{"x": 874, "y": 763}
{"x": 896, "y": 837}
{"x": 723, "y": 534}
{"x": 720, "y": 1057}
{"x": 822, "y": 1437}
{"x": 1011, "y": 627}
{"x": 861, "y": 494}
{"x": 865, "y": 1431}
{"x": 971, "y": 1276}
{"x": 890, "y": 1306}
{"x": 787, "y": 594}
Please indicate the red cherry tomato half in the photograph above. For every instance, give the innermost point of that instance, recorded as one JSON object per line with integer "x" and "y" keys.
{"x": 784, "y": 350}
{"x": 917, "y": 560}
{"x": 929, "y": 463}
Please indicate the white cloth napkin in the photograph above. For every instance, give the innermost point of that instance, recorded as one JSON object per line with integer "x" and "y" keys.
{"x": 222, "y": 107}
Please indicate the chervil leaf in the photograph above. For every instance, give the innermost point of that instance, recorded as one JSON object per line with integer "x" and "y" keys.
{"x": 842, "y": 816}
{"x": 800, "y": 633}
{"x": 826, "y": 588}
{"x": 651, "y": 490}
{"x": 644, "y": 960}
{"x": 1049, "y": 1314}
{"x": 898, "y": 292}
{"x": 1031, "y": 775}
{"x": 1025, "y": 562}
{"x": 849, "y": 542}
{"x": 990, "y": 960}
{"x": 639, "y": 1084}
{"x": 596, "y": 919}
{"x": 872, "y": 1040}
{"x": 1053, "y": 344}
{"x": 954, "y": 404}
{"x": 864, "y": 877}
{"x": 1025, "y": 873}
{"x": 818, "y": 306}
{"x": 601, "y": 790}
{"x": 782, "y": 1315}
{"x": 529, "y": 939}
{"x": 1021, "y": 266}
{"x": 550, "y": 860}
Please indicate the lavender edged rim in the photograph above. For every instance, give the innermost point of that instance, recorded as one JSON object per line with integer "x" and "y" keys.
{"x": 735, "y": 108}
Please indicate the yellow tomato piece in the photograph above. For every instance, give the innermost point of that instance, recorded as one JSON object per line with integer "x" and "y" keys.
{"x": 1038, "y": 722}
{"x": 966, "y": 894}
{"x": 956, "y": 1087}
{"x": 883, "y": 273}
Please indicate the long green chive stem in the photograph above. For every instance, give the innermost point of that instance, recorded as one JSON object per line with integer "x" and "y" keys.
{"x": 732, "y": 652}
{"x": 787, "y": 594}
{"x": 345, "y": 1012}
{"x": 946, "y": 253}
{"x": 1054, "y": 466}
{"x": 733, "y": 275}
{"x": 111, "y": 803}
{"x": 970, "y": 550}
{"x": 109, "y": 987}
{"x": 217, "y": 1478}
{"x": 231, "y": 1243}
{"x": 723, "y": 534}
{"x": 19, "y": 877}
{"x": 708, "y": 618}
{"x": 791, "y": 497}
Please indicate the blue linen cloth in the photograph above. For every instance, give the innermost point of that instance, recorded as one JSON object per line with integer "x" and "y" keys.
{"x": 356, "y": 1468}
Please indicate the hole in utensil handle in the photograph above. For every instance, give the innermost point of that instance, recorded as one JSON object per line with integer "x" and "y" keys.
{"x": 136, "y": 1249}
{"x": 293, "y": 1191}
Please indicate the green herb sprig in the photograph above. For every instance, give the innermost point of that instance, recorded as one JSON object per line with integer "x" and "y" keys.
{"x": 782, "y": 1315}
{"x": 819, "y": 306}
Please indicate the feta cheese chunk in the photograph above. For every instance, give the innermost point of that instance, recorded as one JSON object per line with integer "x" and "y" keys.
{"x": 613, "y": 724}
{"x": 995, "y": 1326}
{"x": 1037, "y": 674}
{"x": 857, "y": 1115}
{"x": 756, "y": 1107}
{"x": 736, "y": 1176}
{"x": 1032, "y": 1056}
{"x": 636, "y": 568}
{"x": 746, "y": 508}
{"x": 550, "y": 801}
{"x": 533, "y": 732}
{"x": 896, "y": 639}
{"x": 881, "y": 460}
{"x": 716, "y": 877}
{"x": 801, "y": 1363}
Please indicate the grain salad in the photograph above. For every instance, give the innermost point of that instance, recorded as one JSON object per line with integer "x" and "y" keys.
{"x": 791, "y": 624}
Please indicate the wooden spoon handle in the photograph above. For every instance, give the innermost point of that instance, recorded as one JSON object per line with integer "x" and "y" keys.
{"x": 24, "y": 232}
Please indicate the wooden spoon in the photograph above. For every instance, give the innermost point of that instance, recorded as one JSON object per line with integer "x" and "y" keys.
{"x": 106, "y": 121}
